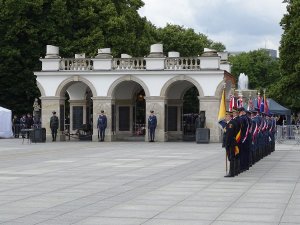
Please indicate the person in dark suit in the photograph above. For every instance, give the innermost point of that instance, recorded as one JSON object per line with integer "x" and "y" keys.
{"x": 152, "y": 123}
{"x": 101, "y": 125}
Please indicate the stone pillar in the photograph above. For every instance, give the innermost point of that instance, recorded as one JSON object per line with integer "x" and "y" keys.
{"x": 50, "y": 104}
{"x": 157, "y": 104}
{"x": 51, "y": 62}
{"x": 102, "y": 103}
{"x": 77, "y": 103}
{"x": 156, "y": 59}
{"x": 211, "y": 106}
{"x": 103, "y": 61}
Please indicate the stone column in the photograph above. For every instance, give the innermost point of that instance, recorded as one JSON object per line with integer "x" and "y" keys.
{"x": 157, "y": 104}
{"x": 211, "y": 106}
{"x": 50, "y": 104}
{"x": 102, "y": 103}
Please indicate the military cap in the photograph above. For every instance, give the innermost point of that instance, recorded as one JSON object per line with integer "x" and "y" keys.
{"x": 53, "y": 112}
{"x": 151, "y": 111}
{"x": 102, "y": 111}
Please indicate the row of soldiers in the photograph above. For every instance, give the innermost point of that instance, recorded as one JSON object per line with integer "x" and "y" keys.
{"x": 248, "y": 137}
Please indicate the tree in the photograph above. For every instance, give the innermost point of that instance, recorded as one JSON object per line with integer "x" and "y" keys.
{"x": 185, "y": 40}
{"x": 287, "y": 88}
{"x": 260, "y": 68}
{"x": 76, "y": 26}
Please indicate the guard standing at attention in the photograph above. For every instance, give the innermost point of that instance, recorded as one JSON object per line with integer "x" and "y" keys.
{"x": 152, "y": 123}
{"x": 101, "y": 125}
{"x": 237, "y": 137}
{"x": 54, "y": 125}
{"x": 229, "y": 142}
{"x": 244, "y": 153}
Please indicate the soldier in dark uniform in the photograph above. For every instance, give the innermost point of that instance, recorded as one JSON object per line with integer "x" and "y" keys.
{"x": 54, "y": 125}
{"x": 228, "y": 143}
{"x": 237, "y": 135}
{"x": 152, "y": 123}
{"x": 263, "y": 136}
{"x": 269, "y": 133}
{"x": 101, "y": 125}
{"x": 244, "y": 145}
{"x": 249, "y": 138}
{"x": 273, "y": 132}
{"x": 255, "y": 134}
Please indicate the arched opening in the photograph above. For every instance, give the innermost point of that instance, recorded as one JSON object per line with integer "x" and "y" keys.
{"x": 128, "y": 111}
{"x": 182, "y": 109}
{"x": 76, "y": 108}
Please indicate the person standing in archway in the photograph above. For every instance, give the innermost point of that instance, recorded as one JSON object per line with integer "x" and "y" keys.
{"x": 101, "y": 125}
{"x": 54, "y": 125}
{"x": 152, "y": 123}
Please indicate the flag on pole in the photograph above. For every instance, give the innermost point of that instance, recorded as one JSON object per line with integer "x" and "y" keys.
{"x": 266, "y": 106}
{"x": 258, "y": 101}
{"x": 232, "y": 103}
{"x": 240, "y": 102}
{"x": 262, "y": 106}
{"x": 250, "y": 104}
{"x": 222, "y": 110}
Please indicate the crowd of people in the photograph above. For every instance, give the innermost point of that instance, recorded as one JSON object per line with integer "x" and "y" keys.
{"x": 26, "y": 121}
{"x": 248, "y": 137}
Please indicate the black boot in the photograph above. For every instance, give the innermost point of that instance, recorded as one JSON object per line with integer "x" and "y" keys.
{"x": 231, "y": 169}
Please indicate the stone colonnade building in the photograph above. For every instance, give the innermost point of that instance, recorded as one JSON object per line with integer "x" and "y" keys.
{"x": 128, "y": 88}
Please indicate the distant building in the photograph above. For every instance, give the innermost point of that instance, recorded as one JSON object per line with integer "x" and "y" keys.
{"x": 236, "y": 53}
{"x": 271, "y": 52}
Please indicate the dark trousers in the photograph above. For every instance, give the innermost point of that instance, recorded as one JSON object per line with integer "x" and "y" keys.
{"x": 54, "y": 133}
{"x": 102, "y": 133}
{"x": 152, "y": 133}
{"x": 231, "y": 159}
{"x": 244, "y": 155}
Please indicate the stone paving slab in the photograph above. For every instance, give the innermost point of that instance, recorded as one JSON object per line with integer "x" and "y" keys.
{"x": 127, "y": 183}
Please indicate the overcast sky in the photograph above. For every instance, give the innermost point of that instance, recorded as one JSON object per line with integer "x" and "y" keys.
{"x": 241, "y": 25}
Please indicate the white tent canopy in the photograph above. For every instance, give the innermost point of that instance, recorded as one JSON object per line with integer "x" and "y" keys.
{"x": 5, "y": 123}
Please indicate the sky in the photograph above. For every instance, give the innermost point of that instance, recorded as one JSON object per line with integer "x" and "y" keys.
{"x": 241, "y": 25}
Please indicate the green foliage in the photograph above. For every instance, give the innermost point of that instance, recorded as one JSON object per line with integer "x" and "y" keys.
{"x": 261, "y": 69}
{"x": 76, "y": 26}
{"x": 185, "y": 40}
{"x": 287, "y": 88}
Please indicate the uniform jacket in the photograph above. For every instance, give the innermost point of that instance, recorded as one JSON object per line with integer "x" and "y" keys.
{"x": 102, "y": 122}
{"x": 152, "y": 121}
{"x": 54, "y": 122}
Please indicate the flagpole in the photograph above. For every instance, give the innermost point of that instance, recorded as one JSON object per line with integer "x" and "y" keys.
{"x": 226, "y": 166}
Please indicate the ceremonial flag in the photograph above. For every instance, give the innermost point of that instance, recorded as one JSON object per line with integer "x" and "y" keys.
{"x": 266, "y": 108}
{"x": 262, "y": 106}
{"x": 250, "y": 104}
{"x": 232, "y": 103}
{"x": 222, "y": 110}
{"x": 258, "y": 101}
{"x": 240, "y": 102}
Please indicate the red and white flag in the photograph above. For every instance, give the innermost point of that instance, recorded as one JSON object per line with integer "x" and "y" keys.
{"x": 232, "y": 103}
{"x": 250, "y": 104}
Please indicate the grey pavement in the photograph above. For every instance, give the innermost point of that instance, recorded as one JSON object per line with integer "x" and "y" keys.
{"x": 137, "y": 183}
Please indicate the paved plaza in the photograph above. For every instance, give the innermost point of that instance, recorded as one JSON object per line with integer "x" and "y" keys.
{"x": 138, "y": 183}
